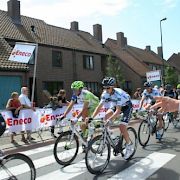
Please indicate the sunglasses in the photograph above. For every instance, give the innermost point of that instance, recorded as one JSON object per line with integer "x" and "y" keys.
{"x": 106, "y": 87}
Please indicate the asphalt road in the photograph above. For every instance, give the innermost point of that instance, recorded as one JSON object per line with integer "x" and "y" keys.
{"x": 158, "y": 160}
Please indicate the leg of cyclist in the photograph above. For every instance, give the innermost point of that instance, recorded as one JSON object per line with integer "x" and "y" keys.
{"x": 160, "y": 126}
{"x": 127, "y": 111}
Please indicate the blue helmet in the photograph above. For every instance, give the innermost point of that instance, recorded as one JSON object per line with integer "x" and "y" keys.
{"x": 108, "y": 81}
{"x": 148, "y": 84}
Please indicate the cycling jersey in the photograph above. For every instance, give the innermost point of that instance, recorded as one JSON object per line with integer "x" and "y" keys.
{"x": 150, "y": 96}
{"x": 170, "y": 93}
{"x": 86, "y": 96}
{"x": 118, "y": 98}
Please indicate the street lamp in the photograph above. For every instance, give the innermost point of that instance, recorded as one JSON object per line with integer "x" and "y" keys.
{"x": 164, "y": 19}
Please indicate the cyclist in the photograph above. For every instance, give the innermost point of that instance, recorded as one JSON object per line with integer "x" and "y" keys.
{"x": 178, "y": 91}
{"x": 119, "y": 102}
{"x": 85, "y": 97}
{"x": 148, "y": 95}
{"x": 168, "y": 91}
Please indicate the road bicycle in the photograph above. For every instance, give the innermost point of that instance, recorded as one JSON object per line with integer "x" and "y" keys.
{"x": 149, "y": 126}
{"x": 66, "y": 146}
{"x": 99, "y": 149}
{"x": 170, "y": 118}
{"x": 15, "y": 166}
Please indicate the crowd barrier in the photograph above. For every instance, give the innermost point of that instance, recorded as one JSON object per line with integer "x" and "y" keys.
{"x": 44, "y": 117}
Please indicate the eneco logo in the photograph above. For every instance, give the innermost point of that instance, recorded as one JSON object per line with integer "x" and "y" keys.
{"x": 17, "y": 52}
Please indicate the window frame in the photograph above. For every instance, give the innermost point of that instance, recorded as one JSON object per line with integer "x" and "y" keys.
{"x": 55, "y": 61}
{"x": 88, "y": 62}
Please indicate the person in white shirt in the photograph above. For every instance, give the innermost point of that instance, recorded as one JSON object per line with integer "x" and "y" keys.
{"x": 26, "y": 103}
{"x": 148, "y": 95}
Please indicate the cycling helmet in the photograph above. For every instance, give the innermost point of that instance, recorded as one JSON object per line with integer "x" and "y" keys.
{"x": 77, "y": 85}
{"x": 148, "y": 84}
{"x": 178, "y": 86}
{"x": 2, "y": 125}
{"x": 108, "y": 81}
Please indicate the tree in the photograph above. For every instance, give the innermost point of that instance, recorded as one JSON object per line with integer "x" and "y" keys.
{"x": 171, "y": 76}
{"x": 113, "y": 69}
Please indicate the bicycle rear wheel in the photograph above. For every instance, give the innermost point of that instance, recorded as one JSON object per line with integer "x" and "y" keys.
{"x": 66, "y": 148}
{"x": 97, "y": 155}
{"x": 144, "y": 133}
{"x": 134, "y": 140}
{"x": 17, "y": 166}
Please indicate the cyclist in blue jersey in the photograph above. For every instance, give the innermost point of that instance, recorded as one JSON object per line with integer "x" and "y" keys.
{"x": 148, "y": 95}
{"x": 119, "y": 101}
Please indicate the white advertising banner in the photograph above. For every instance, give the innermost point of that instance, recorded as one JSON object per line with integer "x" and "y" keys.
{"x": 153, "y": 75}
{"x": 22, "y": 52}
{"x": 34, "y": 120}
{"x": 45, "y": 117}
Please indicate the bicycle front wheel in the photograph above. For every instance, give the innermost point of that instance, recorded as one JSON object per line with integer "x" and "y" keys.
{"x": 17, "y": 166}
{"x": 66, "y": 148}
{"x": 97, "y": 155}
{"x": 134, "y": 140}
{"x": 144, "y": 133}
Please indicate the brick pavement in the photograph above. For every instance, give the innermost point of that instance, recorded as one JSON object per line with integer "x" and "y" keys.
{"x": 41, "y": 138}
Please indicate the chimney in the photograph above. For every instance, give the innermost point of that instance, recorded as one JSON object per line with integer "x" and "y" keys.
{"x": 121, "y": 40}
{"x": 14, "y": 11}
{"x": 148, "y": 48}
{"x": 125, "y": 41}
{"x": 97, "y": 32}
{"x": 74, "y": 26}
{"x": 159, "y": 51}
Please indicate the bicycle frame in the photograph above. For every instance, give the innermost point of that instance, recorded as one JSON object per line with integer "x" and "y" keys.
{"x": 107, "y": 139}
{"x": 75, "y": 131}
{"x": 152, "y": 125}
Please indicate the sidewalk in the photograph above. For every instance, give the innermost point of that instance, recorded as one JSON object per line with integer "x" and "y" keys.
{"x": 41, "y": 139}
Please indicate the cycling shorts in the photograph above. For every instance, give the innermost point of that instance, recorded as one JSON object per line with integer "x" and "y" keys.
{"x": 127, "y": 111}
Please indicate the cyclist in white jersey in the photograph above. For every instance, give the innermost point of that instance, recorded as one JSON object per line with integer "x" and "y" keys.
{"x": 148, "y": 95}
{"x": 119, "y": 101}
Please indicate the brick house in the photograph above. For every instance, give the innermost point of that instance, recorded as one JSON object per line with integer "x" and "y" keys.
{"x": 135, "y": 62}
{"x": 64, "y": 55}
{"x": 174, "y": 61}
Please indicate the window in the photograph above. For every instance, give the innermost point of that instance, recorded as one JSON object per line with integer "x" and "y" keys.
{"x": 52, "y": 86}
{"x": 88, "y": 62}
{"x": 57, "y": 58}
{"x": 128, "y": 86}
{"x": 92, "y": 86}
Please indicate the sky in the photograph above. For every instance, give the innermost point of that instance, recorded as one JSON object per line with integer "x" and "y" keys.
{"x": 139, "y": 20}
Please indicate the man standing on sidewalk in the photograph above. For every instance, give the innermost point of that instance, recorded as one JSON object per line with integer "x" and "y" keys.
{"x": 25, "y": 101}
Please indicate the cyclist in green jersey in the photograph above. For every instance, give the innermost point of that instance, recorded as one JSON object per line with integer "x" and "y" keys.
{"x": 84, "y": 97}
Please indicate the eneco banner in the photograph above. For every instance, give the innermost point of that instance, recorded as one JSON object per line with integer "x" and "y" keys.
{"x": 34, "y": 120}
{"x": 153, "y": 75}
{"x": 22, "y": 52}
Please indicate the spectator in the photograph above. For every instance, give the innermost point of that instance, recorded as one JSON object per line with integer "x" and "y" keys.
{"x": 15, "y": 106}
{"x": 62, "y": 98}
{"x": 25, "y": 101}
{"x": 137, "y": 94}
